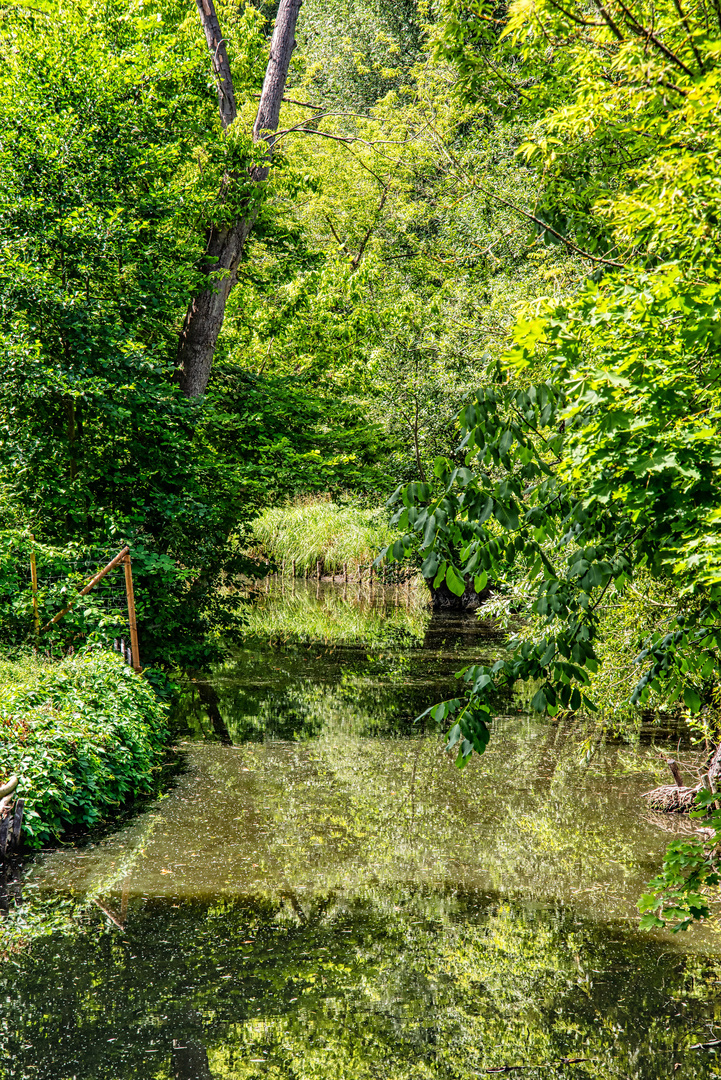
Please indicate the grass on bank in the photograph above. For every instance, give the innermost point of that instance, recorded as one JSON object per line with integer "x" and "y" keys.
{"x": 84, "y": 735}
{"x": 311, "y": 532}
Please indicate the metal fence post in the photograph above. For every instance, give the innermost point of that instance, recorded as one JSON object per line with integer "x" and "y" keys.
{"x": 34, "y": 579}
{"x": 131, "y": 611}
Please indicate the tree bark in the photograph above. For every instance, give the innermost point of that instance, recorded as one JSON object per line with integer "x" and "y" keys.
{"x": 225, "y": 245}
{"x": 220, "y": 61}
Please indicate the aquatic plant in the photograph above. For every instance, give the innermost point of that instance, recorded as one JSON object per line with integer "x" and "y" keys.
{"x": 84, "y": 736}
{"x": 309, "y": 533}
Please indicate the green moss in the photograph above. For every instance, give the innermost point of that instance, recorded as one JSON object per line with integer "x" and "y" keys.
{"x": 84, "y": 736}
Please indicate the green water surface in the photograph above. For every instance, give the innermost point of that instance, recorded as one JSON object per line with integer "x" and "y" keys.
{"x": 322, "y": 894}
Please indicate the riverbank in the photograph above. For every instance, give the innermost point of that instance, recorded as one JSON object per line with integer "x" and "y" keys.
{"x": 84, "y": 735}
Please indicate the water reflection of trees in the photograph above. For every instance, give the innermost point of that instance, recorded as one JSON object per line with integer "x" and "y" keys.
{"x": 400, "y": 982}
{"x": 296, "y": 611}
{"x": 532, "y": 817}
{"x": 296, "y": 691}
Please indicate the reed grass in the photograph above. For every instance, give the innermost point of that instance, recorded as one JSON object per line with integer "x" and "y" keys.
{"x": 309, "y": 533}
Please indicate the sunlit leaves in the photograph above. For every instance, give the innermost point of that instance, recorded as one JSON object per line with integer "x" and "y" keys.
{"x": 84, "y": 737}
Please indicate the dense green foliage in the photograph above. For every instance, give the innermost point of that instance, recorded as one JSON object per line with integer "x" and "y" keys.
{"x": 59, "y": 578}
{"x": 499, "y": 228}
{"x": 108, "y": 183}
{"x": 83, "y": 736}
{"x": 592, "y": 458}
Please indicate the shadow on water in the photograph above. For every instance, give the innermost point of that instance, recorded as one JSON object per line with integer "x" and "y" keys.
{"x": 323, "y": 894}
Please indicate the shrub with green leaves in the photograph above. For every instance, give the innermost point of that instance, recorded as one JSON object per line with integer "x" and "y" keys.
{"x": 84, "y": 736}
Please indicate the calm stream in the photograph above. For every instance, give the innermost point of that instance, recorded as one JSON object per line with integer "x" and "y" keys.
{"x": 330, "y": 897}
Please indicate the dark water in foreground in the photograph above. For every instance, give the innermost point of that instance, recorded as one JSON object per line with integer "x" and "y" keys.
{"x": 330, "y": 897}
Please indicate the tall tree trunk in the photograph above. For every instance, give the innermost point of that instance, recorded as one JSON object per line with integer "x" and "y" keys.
{"x": 225, "y": 246}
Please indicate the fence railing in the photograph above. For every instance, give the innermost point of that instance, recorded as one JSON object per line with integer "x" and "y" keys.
{"x": 131, "y": 656}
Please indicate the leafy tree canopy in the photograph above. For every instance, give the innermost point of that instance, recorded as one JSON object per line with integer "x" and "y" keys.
{"x": 595, "y": 454}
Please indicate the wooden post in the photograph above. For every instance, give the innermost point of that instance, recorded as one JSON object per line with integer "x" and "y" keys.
{"x": 131, "y": 610}
{"x": 345, "y": 573}
{"x": 17, "y": 824}
{"x": 676, "y": 772}
{"x": 293, "y": 565}
{"x": 34, "y": 580}
{"x": 317, "y": 569}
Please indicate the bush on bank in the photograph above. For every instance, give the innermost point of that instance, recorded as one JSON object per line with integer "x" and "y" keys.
{"x": 84, "y": 736}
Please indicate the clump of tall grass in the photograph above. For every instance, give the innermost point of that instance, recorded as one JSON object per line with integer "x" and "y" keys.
{"x": 322, "y": 532}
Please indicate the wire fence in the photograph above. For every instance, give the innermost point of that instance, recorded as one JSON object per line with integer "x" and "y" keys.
{"x": 59, "y": 598}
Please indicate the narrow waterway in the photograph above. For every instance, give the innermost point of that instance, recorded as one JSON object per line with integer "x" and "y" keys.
{"x": 322, "y": 893}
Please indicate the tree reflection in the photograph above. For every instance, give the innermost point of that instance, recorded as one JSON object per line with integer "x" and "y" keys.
{"x": 400, "y": 982}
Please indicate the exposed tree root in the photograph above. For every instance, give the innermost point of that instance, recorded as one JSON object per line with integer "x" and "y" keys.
{"x": 678, "y": 798}
{"x": 672, "y": 799}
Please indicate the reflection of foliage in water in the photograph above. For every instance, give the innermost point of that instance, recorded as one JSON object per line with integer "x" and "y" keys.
{"x": 341, "y": 810}
{"x": 360, "y": 932}
{"x": 396, "y": 982}
{"x": 359, "y": 702}
{"x": 294, "y": 612}
{"x": 531, "y": 819}
{"x": 377, "y": 686}
{"x": 373, "y": 912}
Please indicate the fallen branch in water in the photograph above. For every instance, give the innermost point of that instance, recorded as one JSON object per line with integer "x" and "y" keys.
{"x": 109, "y": 914}
{"x": 671, "y": 798}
